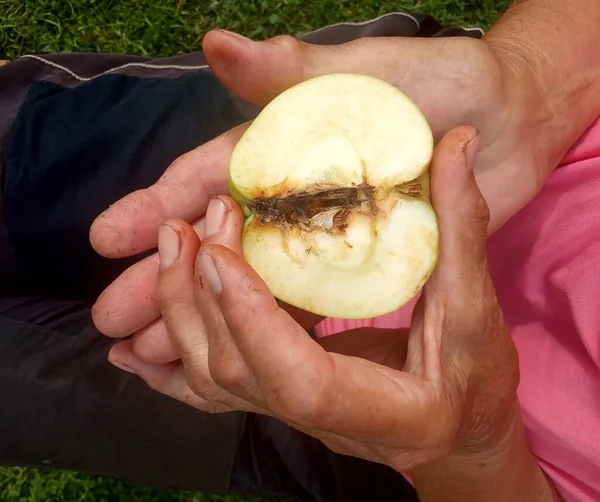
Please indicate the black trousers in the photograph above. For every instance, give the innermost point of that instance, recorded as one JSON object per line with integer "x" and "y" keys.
{"x": 78, "y": 132}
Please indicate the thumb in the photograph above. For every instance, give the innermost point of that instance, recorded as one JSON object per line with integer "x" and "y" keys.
{"x": 178, "y": 246}
{"x": 259, "y": 71}
{"x": 462, "y": 211}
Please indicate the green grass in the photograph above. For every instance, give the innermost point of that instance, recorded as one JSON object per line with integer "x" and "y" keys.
{"x": 164, "y": 28}
{"x": 168, "y": 27}
{"x": 34, "y": 485}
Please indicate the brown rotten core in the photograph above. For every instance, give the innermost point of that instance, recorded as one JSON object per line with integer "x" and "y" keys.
{"x": 322, "y": 208}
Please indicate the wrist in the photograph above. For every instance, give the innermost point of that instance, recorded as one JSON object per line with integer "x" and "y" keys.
{"x": 551, "y": 73}
{"x": 496, "y": 467}
{"x": 545, "y": 109}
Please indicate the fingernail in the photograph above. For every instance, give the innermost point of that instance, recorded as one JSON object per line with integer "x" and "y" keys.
{"x": 122, "y": 367}
{"x": 471, "y": 151}
{"x": 168, "y": 246}
{"x": 215, "y": 217}
{"x": 236, "y": 35}
{"x": 210, "y": 276}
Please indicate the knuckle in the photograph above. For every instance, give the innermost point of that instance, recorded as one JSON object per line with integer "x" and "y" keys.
{"x": 229, "y": 374}
{"x": 164, "y": 296}
{"x": 292, "y": 50}
{"x": 185, "y": 327}
{"x": 175, "y": 184}
{"x": 146, "y": 351}
{"x": 169, "y": 291}
{"x": 203, "y": 386}
{"x": 194, "y": 352}
{"x": 299, "y": 404}
{"x": 481, "y": 211}
{"x": 200, "y": 381}
{"x": 287, "y": 43}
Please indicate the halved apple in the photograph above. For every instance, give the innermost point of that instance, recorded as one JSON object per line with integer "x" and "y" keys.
{"x": 333, "y": 179}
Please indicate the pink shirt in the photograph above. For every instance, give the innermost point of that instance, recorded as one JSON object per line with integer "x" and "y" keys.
{"x": 546, "y": 268}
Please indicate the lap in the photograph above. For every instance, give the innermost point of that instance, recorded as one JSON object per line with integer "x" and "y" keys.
{"x": 64, "y": 406}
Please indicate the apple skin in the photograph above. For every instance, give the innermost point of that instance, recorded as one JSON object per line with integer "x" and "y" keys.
{"x": 384, "y": 256}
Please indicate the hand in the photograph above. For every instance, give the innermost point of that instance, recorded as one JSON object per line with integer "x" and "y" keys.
{"x": 454, "y": 81}
{"x": 448, "y": 385}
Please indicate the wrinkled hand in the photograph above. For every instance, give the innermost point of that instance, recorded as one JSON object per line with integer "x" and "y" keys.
{"x": 406, "y": 400}
{"x": 454, "y": 81}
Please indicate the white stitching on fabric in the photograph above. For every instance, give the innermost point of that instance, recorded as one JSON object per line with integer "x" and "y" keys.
{"x": 160, "y": 67}
{"x": 204, "y": 67}
{"x": 473, "y": 29}
{"x": 55, "y": 65}
{"x": 364, "y": 23}
{"x": 122, "y": 67}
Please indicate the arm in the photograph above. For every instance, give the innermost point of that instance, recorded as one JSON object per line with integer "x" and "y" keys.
{"x": 551, "y": 47}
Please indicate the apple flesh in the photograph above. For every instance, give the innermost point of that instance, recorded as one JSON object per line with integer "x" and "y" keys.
{"x": 333, "y": 179}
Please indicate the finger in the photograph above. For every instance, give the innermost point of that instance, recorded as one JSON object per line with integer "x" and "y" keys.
{"x": 153, "y": 344}
{"x": 250, "y": 315}
{"x": 297, "y": 379}
{"x": 190, "y": 318}
{"x": 128, "y": 304}
{"x": 259, "y": 71}
{"x": 462, "y": 210}
{"x": 468, "y": 316}
{"x": 130, "y": 226}
{"x": 224, "y": 226}
{"x": 178, "y": 245}
{"x": 170, "y": 380}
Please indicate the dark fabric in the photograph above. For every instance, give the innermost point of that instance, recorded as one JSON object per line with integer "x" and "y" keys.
{"x": 63, "y": 406}
{"x": 75, "y": 151}
{"x": 77, "y": 132}
{"x": 275, "y": 459}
